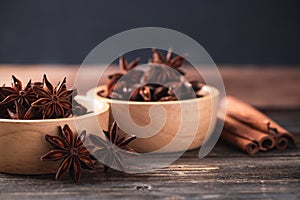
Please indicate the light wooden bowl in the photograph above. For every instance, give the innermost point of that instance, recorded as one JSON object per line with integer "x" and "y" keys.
{"x": 22, "y": 142}
{"x": 207, "y": 107}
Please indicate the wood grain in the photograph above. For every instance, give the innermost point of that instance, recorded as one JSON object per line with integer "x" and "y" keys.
{"x": 226, "y": 173}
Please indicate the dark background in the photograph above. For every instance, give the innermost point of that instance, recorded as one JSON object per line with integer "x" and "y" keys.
{"x": 232, "y": 31}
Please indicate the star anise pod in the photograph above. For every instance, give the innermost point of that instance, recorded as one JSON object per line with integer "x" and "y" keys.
{"x": 183, "y": 90}
{"x": 161, "y": 74}
{"x": 21, "y": 112}
{"x": 159, "y": 83}
{"x": 54, "y": 102}
{"x": 3, "y": 108}
{"x": 124, "y": 68}
{"x": 71, "y": 150}
{"x": 16, "y": 93}
{"x": 160, "y": 71}
{"x": 114, "y": 149}
{"x": 112, "y": 80}
{"x": 149, "y": 92}
{"x": 123, "y": 90}
{"x": 175, "y": 63}
{"x": 2, "y": 95}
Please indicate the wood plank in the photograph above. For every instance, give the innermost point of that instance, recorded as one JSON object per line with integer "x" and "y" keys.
{"x": 206, "y": 178}
{"x": 226, "y": 173}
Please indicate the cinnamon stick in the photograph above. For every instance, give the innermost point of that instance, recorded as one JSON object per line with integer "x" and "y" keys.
{"x": 247, "y": 114}
{"x": 263, "y": 140}
{"x": 246, "y": 145}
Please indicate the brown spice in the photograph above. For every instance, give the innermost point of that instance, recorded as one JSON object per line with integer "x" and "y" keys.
{"x": 54, "y": 102}
{"x": 264, "y": 141}
{"x": 160, "y": 83}
{"x": 175, "y": 63}
{"x": 259, "y": 121}
{"x": 114, "y": 148}
{"x": 246, "y": 145}
{"x": 70, "y": 149}
{"x": 38, "y": 101}
{"x": 246, "y": 122}
{"x": 17, "y": 94}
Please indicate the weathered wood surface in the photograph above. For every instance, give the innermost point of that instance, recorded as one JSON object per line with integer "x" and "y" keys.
{"x": 226, "y": 173}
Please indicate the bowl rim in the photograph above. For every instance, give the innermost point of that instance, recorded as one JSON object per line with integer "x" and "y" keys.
{"x": 105, "y": 107}
{"x": 214, "y": 92}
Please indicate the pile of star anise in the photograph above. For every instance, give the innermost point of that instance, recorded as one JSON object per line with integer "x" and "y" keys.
{"x": 38, "y": 100}
{"x": 163, "y": 81}
{"x": 74, "y": 155}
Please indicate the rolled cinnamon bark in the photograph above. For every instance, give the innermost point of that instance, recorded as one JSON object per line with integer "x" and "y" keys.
{"x": 249, "y": 115}
{"x": 241, "y": 143}
{"x": 282, "y": 143}
{"x": 240, "y": 129}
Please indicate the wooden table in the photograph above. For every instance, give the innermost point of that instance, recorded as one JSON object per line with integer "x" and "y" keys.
{"x": 226, "y": 173}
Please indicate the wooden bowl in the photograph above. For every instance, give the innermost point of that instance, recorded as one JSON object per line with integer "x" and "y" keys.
{"x": 158, "y": 143}
{"x": 22, "y": 142}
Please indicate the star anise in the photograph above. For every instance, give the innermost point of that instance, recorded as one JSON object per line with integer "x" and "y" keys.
{"x": 71, "y": 150}
{"x": 124, "y": 68}
{"x": 149, "y": 92}
{"x": 3, "y": 108}
{"x": 175, "y": 63}
{"x": 159, "y": 83}
{"x": 183, "y": 90}
{"x": 21, "y": 112}
{"x": 114, "y": 149}
{"x": 16, "y": 93}
{"x": 2, "y": 95}
{"x": 112, "y": 81}
{"x": 160, "y": 71}
{"x": 54, "y": 102}
{"x": 161, "y": 74}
